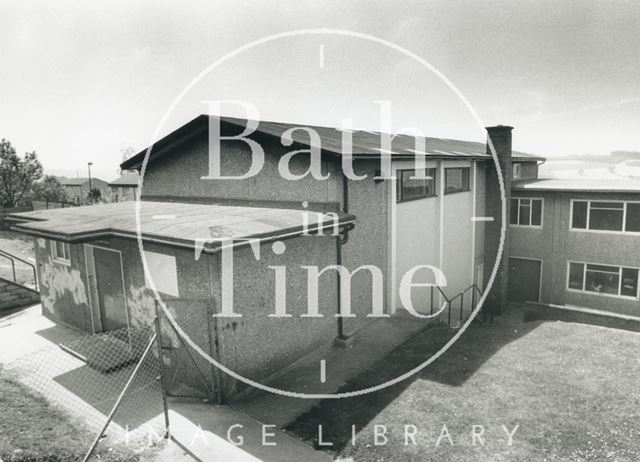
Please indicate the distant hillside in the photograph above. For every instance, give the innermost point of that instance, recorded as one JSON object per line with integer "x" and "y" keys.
{"x": 618, "y": 164}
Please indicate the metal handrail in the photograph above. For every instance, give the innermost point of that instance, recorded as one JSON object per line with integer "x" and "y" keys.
{"x": 460, "y": 295}
{"x": 12, "y": 258}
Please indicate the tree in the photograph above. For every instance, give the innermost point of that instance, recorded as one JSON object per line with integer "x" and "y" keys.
{"x": 17, "y": 175}
{"x": 127, "y": 152}
{"x": 50, "y": 190}
{"x": 94, "y": 195}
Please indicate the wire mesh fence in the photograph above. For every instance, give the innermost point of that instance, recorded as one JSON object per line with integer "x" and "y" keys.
{"x": 87, "y": 376}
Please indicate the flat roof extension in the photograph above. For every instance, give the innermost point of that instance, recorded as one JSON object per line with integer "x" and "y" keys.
{"x": 622, "y": 185}
{"x": 175, "y": 223}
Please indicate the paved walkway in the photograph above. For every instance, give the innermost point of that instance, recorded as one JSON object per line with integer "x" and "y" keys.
{"x": 369, "y": 346}
{"x": 29, "y": 353}
{"x": 221, "y": 434}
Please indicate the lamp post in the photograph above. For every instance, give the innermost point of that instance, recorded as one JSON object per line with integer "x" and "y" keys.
{"x": 89, "y": 164}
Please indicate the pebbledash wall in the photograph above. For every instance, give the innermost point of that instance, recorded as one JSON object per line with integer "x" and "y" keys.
{"x": 556, "y": 244}
{"x": 180, "y": 178}
{"x": 65, "y": 293}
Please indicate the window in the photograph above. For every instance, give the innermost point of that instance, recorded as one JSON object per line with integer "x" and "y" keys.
{"x": 411, "y": 188}
{"x": 60, "y": 252}
{"x": 603, "y": 279}
{"x": 616, "y": 216}
{"x": 456, "y": 180}
{"x": 517, "y": 171}
{"x": 632, "y": 223}
{"x": 526, "y": 212}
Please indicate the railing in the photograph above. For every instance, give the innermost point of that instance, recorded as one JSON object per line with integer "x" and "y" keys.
{"x": 12, "y": 258}
{"x": 450, "y": 301}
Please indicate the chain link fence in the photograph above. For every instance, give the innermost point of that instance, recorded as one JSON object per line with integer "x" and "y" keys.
{"x": 111, "y": 382}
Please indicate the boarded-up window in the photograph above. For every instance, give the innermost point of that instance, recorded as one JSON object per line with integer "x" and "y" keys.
{"x": 163, "y": 272}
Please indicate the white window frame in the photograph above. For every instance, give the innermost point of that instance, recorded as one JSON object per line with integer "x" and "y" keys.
{"x": 65, "y": 259}
{"x": 602, "y": 231}
{"x": 541, "y": 225}
{"x": 600, "y": 294}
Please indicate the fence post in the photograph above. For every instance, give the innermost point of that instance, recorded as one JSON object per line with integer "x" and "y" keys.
{"x": 163, "y": 382}
{"x": 186, "y": 348}
{"x": 120, "y": 397}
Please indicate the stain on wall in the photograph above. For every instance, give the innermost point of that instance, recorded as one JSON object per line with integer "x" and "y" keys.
{"x": 63, "y": 287}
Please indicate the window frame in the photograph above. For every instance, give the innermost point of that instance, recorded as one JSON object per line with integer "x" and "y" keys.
{"x": 66, "y": 259}
{"x": 605, "y": 231}
{"x": 399, "y": 183}
{"x": 602, "y": 294}
{"x": 518, "y": 225}
{"x": 464, "y": 188}
{"x": 517, "y": 170}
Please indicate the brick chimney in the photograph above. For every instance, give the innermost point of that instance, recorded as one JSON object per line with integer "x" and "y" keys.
{"x": 500, "y": 137}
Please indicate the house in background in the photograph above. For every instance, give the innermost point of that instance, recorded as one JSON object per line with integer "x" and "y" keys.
{"x": 78, "y": 188}
{"x": 124, "y": 188}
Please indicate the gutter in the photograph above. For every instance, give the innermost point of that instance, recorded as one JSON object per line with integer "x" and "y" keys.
{"x": 208, "y": 249}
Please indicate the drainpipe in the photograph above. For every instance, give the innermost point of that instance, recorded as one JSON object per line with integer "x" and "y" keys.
{"x": 343, "y": 238}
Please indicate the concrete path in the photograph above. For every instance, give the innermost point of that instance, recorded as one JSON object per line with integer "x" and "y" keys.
{"x": 369, "y": 346}
{"x": 29, "y": 353}
{"x": 209, "y": 432}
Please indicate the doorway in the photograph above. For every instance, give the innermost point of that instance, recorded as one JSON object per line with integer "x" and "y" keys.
{"x": 524, "y": 279}
{"x": 104, "y": 268}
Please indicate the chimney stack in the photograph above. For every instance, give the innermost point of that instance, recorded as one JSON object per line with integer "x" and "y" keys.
{"x": 500, "y": 138}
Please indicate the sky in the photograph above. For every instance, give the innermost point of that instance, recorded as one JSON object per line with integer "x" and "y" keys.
{"x": 81, "y": 81}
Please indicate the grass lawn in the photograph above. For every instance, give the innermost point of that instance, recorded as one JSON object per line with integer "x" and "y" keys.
{"x": 573, "y": 390}
{"x": 31, "y": 430}
{"x": 21, "y": 246}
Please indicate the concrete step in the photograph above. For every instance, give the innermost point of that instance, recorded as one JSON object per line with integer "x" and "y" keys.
{"x": 14, "y": 295}
{"x": 204, "y": 431}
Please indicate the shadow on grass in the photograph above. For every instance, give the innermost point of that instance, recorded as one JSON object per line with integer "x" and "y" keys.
{"x": 465, "y": 357}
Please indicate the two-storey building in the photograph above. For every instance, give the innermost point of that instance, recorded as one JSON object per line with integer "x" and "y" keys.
{"x": 576, "y": 242}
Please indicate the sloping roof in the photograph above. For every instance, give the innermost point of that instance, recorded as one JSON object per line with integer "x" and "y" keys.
{"x": 366, "y": 144}
{"x": 74, "y": 181}
{"x": 78, "y": 181}
{"x": 127, "y": 179}
{"x": 579, "y": 184}
{"x": 174, "y": 223}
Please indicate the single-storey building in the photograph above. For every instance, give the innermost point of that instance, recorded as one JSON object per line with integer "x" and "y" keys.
{"x": 124, "y": 187}
{"x": 78, "y": 188}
